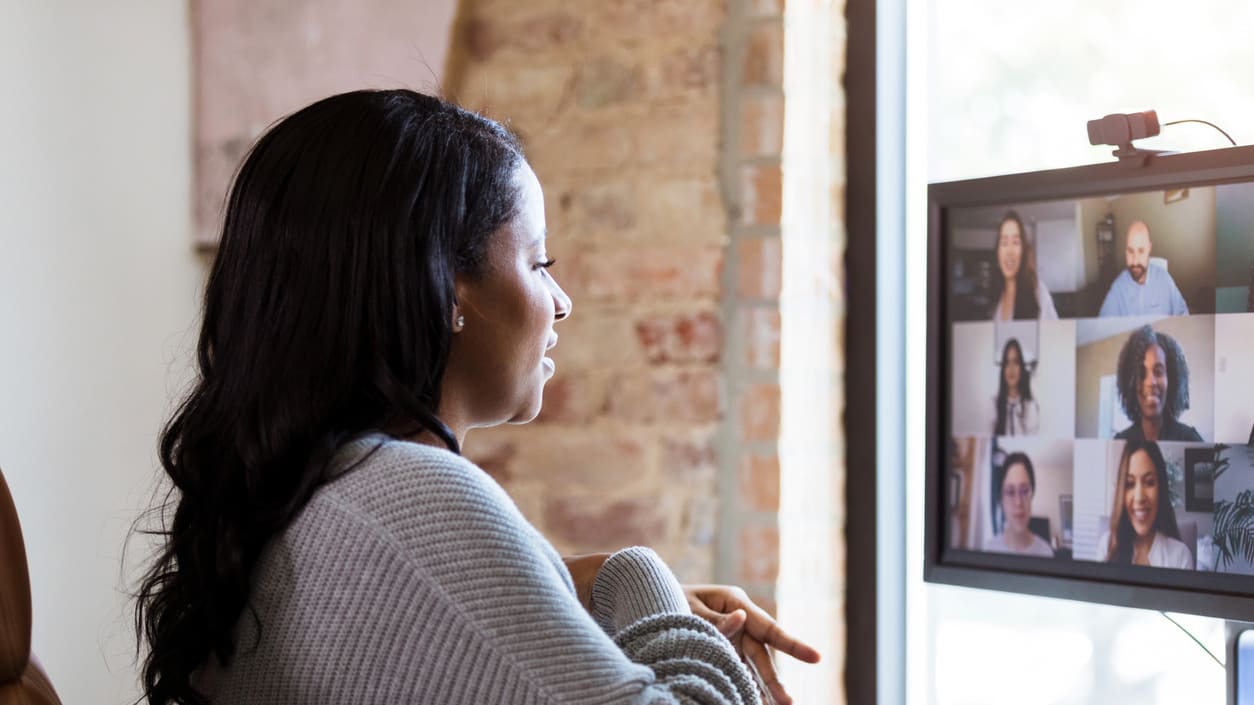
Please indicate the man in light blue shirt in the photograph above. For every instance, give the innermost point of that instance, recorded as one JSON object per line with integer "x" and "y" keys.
{"x": 1143, "y": 288}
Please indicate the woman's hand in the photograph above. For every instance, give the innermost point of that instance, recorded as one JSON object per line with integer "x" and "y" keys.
{"x": 750, "y": 629}
{"x": 583, "y": 570}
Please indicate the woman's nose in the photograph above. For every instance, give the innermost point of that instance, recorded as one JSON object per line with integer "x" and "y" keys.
{"x": 561, "y": 302}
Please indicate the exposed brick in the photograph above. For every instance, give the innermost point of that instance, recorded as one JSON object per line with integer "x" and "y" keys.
{"x": 759, "y": 267}
{"x": 495, "y": 455}
{"x": 691, "y": 337}
{"x": 690, "y": 460}
{"x": 518, "y": 90}
{"x": 575, "y": 460}
{"x": 684, "y": 70}
{"x": 693, "y": 563}
{"x": 761, "y": 124}
{"x": 687, "y": 208}
{"x": 629, "y": 274}
{"x": 596, "y": 337}
{"x": 759, "y": 412}
{"x": 629, "y": 21}
{"x": 759, "y": 481}
{"x": 764, "y": 56}
{"x": 625, "y": 522}
{"x": 759, "y": 553}
{"x": 487, "y": 34}
{"x": 699, "y": 523}
{"x": 668, "y": 397}
{"x": 573, "y": 397}
{"x": 761, "y": 335}
{"x": 602, "y": 205}
{"x": 681, "y": 135}
{"x": 563, "y": 146}
{"x": 761, "y": 194}
{"x": 602, "y": 81}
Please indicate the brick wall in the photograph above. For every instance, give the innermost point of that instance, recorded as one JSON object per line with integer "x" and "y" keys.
{"x": 655, "y": 128}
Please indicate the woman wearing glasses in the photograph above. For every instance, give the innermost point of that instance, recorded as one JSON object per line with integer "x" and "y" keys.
{"x": 1016, "y": 483}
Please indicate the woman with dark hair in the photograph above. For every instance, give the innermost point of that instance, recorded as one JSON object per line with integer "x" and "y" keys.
{"x": 382, "y": 287}
{"x": 1018, "y": 414}
{"x": 1018, "y": 293}
{"x": 1015, "y": 485}
{"x": 1143, "y": 527}
{"x": 1153, "y": 381}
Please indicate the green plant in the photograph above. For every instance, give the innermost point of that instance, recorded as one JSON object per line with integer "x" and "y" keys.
{"x": 1233, "y": 535}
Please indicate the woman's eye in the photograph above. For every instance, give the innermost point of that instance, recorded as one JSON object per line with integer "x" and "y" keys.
{"x": 547, "y": 263}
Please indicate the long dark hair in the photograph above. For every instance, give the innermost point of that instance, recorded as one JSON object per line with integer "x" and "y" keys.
{"x": 1130, "y": 373}
{"x": 1026, "y": 305}
{"x": 1122, "y": 535}
{"x": 1003, "y": 392}
{"x": 328, "y": 312}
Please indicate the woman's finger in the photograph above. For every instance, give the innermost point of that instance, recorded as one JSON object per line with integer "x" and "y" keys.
{"x": 758, "y": 657}
{"x": 766, "y": 630}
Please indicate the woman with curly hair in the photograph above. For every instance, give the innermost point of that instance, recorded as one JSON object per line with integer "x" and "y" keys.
{"x": 1153, "y": 381}
{"x": 1143, "y": 528}
{"x": 1018, "y": 293}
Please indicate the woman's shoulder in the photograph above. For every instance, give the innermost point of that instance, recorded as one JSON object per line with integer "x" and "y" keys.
{"x": 1040, "y": 547}
{"x": 1175, "y": 554}
{"x": 382, "y": 475}
{"x": 1180, "y": 432}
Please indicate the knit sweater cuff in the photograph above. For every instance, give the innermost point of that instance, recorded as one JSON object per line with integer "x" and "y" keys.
{"x": 633, "y": 584}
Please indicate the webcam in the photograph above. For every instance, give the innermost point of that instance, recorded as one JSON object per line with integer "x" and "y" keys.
{"x": 1119, "y": 129}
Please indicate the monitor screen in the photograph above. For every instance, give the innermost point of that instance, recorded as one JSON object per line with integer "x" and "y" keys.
{"x": 1091, "y": 383}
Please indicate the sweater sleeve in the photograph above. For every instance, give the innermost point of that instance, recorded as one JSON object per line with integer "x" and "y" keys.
{"x": 499, "y": 622}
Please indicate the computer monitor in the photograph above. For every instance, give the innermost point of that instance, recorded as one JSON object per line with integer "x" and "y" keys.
{"x": 1090, "y": 394}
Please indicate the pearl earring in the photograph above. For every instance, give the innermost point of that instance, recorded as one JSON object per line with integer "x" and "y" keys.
{"x": 459, "y": 323}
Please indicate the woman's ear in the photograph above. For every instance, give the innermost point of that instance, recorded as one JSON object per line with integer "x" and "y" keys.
{"x": 459, "y": 320}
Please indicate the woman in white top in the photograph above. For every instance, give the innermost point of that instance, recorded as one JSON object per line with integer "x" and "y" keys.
{"x": 1018, "y": 292}
{"x": 1143, "y": 527}
{"x": 1016, "y": 483}
{"x": 1017, "y": 412}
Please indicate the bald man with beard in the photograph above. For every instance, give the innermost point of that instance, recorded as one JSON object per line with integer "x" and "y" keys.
{"x": 1143, "y": 288}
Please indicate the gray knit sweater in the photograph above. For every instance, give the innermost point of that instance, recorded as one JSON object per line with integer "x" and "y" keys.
{"x": 411, "y": 577}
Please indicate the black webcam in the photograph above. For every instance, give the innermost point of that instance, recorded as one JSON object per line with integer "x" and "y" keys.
{"x": 1119, "y": 129}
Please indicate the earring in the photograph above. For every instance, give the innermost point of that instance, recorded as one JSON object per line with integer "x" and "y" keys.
{"x": 459, "y": 323}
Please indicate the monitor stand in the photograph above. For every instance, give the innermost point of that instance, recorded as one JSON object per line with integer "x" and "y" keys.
{"x": 1239, "y": 659}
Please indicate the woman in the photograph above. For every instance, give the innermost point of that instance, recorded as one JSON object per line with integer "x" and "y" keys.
{"x": 1015, "y": 481}
{"x": 1153, "y": 381}
{"x": 1018, "y": 293}
{"x": 382, "y": 287}
{"x": 1143, "y": 527}
{"x": 1018, "y": 414}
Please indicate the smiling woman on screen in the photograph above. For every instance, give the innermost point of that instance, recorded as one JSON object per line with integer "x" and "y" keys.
{"x": 1143, "y": 528}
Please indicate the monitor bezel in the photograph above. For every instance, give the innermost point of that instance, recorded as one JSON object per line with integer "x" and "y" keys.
{"x": 1209, "y": 168}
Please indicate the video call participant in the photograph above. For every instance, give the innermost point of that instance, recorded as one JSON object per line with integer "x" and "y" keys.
{"x": 1016, "y": 483}
{"x": 1018, "y": 414}
{"x": 1143, "y": 288}
{"x": 1153, "y": 381}
{"x": 1143, "y": 527}
{"x": 1018, "y": 292}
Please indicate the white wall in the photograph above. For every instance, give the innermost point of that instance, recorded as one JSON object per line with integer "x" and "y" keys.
{"x": 98, "y": 291}
{"x": 1234, "y": 377}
